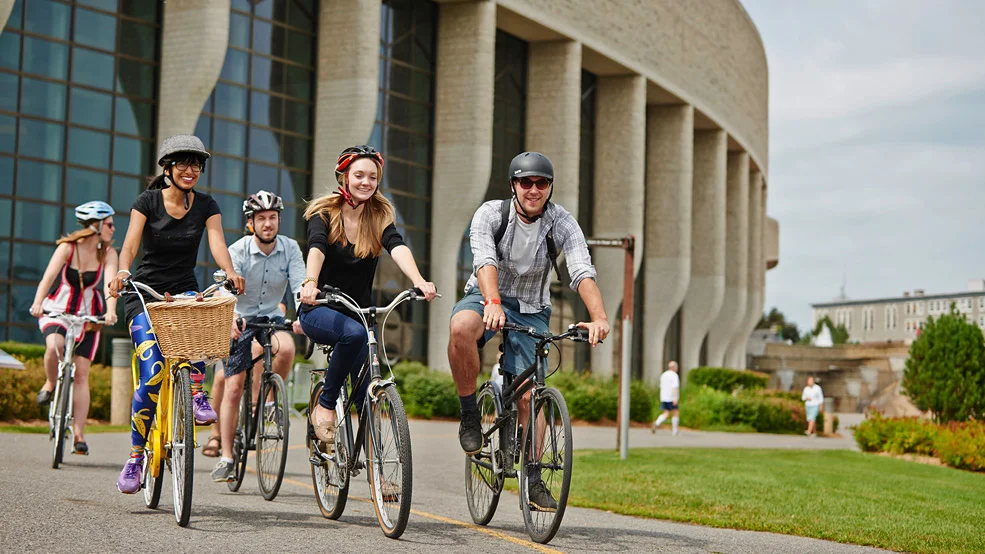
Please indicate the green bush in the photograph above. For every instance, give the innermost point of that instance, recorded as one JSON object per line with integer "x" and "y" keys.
{"x": 19, "y": 387}
{"x": 962, "y": 445}
{"x": 23, "y": 350}
{"x": 426, "y": 393}
{"x": 747, "y": 410}
{"x": 594, "y": 399}
{"x": 728, "y": 380}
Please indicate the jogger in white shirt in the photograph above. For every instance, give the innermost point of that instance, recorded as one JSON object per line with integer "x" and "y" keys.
{"x": 670, "y": 393}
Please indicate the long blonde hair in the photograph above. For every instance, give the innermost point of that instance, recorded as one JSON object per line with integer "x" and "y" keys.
{"x": 84, "y": 233}
{"x": 376, "y": 215}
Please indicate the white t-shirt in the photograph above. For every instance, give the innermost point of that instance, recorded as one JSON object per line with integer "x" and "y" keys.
{"x": 669, "y": 383}
{"x": 525, "y": 244}
{"x": 812, "y": 395}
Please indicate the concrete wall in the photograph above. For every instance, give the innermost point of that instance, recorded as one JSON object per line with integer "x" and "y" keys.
{"x": 463, "y": 118}
{"x": 771, "y": 243}
{"x": 194, "y": 37}
{"x": 706, "y": 291}
{"x": 736, "y": 354}
{"x": 667, "y": 250}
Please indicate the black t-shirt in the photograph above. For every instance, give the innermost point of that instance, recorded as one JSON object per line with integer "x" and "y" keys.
{"x": 171, "y": 245}
{"x": 342, "y": 269}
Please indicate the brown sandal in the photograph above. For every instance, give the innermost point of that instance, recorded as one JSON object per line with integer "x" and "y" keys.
{"x": 211, "y": 448}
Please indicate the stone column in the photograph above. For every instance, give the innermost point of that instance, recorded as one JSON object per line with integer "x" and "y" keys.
{"x": 194, "y": 37}
{"x": 756, "y": 277}
{"x": 6, "y": 6}
{"x": 463, "y": 118}
{"x": 730, "y": 321}
{"x": 554, "y": 113}
{"x": 348, "y": 83}
{"x": 620, "y": 172}
{"x": 706, "y": 290}
{"x": 669, "y": 174}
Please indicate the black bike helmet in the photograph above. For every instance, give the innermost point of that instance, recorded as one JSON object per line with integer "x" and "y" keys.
{"x": 531, "y": 164}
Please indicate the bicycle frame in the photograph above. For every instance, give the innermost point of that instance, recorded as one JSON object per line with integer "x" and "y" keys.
{"x": 266, "y": 332}
{"x": 75, "y": 327}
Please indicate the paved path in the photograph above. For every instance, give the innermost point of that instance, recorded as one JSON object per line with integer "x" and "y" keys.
{"x": 78, "y": 508}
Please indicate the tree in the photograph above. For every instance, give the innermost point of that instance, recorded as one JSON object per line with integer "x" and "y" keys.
{"x": 945, "y": 372}
{"x": 788, "y": 330}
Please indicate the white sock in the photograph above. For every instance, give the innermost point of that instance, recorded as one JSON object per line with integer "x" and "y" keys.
{"x": 661, "y": 419}
{"x": 674, "y": 421}
{"x": 225, "y": 459}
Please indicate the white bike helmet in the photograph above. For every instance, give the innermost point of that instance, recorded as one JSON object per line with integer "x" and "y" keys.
{"x": 95, "y": 210}
{"x": 262, "y": 201}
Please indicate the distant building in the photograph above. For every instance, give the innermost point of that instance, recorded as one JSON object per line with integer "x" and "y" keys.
{"x": 899, "y": 318}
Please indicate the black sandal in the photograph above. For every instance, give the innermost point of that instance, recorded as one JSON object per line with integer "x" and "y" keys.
{"x": 81, "y": 448}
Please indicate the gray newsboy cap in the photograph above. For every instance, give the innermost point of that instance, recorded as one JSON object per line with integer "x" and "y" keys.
{"x": 181, "y": 143}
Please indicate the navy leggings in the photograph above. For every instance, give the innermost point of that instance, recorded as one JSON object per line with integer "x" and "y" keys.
{"x": 348, "y": 339}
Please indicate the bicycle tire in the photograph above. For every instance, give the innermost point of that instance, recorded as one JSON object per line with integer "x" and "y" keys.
{"x": 388, "y": 446}
{"x": 331, "y": 485}
{"x": 273, "y": 431}
{"x": 182, "y": 445}
{"x": 152, "y": 485}
{"x": 241, "y": 447}
{"x": 554, "y": 464}
{"x": 63, "y": 395}
{"x": 483, "y": 484}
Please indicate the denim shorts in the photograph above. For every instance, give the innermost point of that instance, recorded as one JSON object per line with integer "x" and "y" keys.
{"x": 812, "y": 412}
{"x": 241, "y": 351}
{"x": 519, "y": 352}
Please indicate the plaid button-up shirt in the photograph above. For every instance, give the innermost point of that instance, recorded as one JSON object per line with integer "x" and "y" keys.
{"x": 530, "y": 287}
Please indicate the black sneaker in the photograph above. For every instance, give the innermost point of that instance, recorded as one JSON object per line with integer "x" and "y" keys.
{"x": 470, "y": 432}
{"x": 541, "y": 499}
{"x": 223, "y": 472}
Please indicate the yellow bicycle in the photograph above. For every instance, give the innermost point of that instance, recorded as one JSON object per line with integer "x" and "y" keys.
{"x": 186, "y": 328}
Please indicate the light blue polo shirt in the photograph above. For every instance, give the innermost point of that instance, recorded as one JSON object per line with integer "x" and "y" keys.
{"x": 267, "y": 276}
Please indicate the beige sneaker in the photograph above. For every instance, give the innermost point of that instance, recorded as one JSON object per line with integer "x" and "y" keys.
{"x": 323, "y": 421}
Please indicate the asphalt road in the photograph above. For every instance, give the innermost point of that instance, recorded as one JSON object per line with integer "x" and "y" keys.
{"x": 77, "y": 508}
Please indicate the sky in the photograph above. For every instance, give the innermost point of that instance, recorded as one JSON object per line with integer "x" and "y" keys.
{"x": 877, "y": 147}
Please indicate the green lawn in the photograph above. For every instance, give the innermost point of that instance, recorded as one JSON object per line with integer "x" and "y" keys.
{"x": 835, "y": 495}
{"x": 42, "y": 428}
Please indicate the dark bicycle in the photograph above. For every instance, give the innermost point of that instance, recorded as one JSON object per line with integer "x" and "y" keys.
{"x": 506, "y": 441}
{"x": 383, "y": 431}
{"x": 263, "y": 428}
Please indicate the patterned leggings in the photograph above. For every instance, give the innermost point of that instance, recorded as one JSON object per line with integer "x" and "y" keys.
{"x": 150, "y": 365}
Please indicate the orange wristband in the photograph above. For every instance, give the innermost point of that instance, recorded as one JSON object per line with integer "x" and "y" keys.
{"x": 489, "y": 301}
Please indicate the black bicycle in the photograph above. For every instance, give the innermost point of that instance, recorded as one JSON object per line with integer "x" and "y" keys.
{"x": 263, "y": 428}
{"x": 383, "y": 431}
{"x": 544, "y": 455}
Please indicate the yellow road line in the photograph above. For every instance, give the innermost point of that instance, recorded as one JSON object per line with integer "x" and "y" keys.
{"x": 485, "y": 530}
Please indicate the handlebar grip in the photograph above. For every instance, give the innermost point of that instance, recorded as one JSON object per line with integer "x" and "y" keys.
{"x": 418, "y": 291}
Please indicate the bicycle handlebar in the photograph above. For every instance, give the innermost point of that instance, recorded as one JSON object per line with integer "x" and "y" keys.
{"x": 576, "y": 334}
{"x": 330, "y": 294}
{"x": 98, "y": 320}
{"x": 227, "y": 283}
{"x": 286, "y": 326}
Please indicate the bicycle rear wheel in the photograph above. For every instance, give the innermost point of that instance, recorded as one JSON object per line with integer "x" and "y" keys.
{"x": 152, "y": 485}
{"x": 62, "y": 403}
{"x": 389, "y": 459}
{"x": 550, "y": 459}
{"x": 484, "y": 470}
{"x": 272, "y": 435}
{"x": 182, "y": 445}
{"x": 330, "y": 477}
{"x": 241, "y": 447}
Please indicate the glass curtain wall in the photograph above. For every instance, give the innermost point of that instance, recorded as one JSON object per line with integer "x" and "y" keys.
{"x": 77, "y": 123}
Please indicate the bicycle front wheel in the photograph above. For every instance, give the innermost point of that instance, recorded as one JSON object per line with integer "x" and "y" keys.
{"x": 241, "y": 439}
{"x": 390, "y": 463}
{"x": 272, "y": 435}
{"x": 62, "y": 403}
{"x": 182, "y": 445}
{"x": 330, "y": 477}
{"x": 547, "y": 460}
{"x": 484, "y": 469}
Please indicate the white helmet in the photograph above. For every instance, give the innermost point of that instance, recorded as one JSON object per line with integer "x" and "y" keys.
{"x": 260, "y": 202}
{"x": 95, "y": 210}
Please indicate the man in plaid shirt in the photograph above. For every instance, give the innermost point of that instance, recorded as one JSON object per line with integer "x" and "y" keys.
{"x": 509, "y": 282}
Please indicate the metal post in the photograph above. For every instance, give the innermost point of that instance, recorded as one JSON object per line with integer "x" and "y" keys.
{"x": 121, "y": 394}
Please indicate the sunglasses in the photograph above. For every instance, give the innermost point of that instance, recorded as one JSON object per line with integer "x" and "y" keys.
{"x": 526, "y": 183}
{"x": 109, "y": 224}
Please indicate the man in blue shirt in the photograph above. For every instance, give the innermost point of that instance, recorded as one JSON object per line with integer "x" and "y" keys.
{"x": 271, "y": 265}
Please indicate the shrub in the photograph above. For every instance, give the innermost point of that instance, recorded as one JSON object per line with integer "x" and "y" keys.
{"x": 18, "y": 389}
{"x": 594, "y": 399}
{"x": 896, "y": 435}
{"x": 962, "y": 445}
{"x": 426, "y": 393}
{"x": 707, "y": 408}
{"x": 22, "y": 350}
{"x": 728, "y": 380}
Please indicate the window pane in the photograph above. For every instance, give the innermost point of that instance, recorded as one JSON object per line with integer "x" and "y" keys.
{"x": 138, "y": 40}
{"x": 135, "y": 79}
{"x": 36, "y": 221}
{"x": 229, "y": 138}
{"x": 262, "y": 37}
{"x": 88, "y": 148}
{"x": 6, "y": 176}
{"x": 83, "y": 186}
{"x": 15, "y": 21}
{"x": 39, "y": 180}
{"x": 133, "y": 117}
{"x": 298, "y": 16}
{"x": 230, "y": 101}
{"x": 92, "y": 108}
{"x": 235, "y": 67}
{"x": 125, "y": 191}
{"x": 203, "y": 130}
{"x": 4, "y": 273}
{"x": 39, "y": 139}
{"x": 42, "y": 98}
{"x": 264, "y": 145}
{"x": 108, "y": 5}
{"x": 267, "y": 74}
{"x": 299, "y": 48}
{"x": 296, "y": 152}
{"x": 409, "y": 114}
{"x": 266, "y": 110}
{"x": 230, "y": 206}
{"x": 8, "y": 126}
{"x": 298, "y": 117}
{"x": 8, "y": 92}
{"x": 48, "y": 18}
{"x": 271, "y": 9}
{"x": 10, "y": 50}
{"x": 227, "y": 174}
{"x": 239, "y": 30}
{"x": 132, "y": 156}
{"x": 92, "y": 68}
{"x": 29, "y": 263}
{"x": 95, "y": 29}
{"x": 294, "y": 186}
{"x": 45, "y": 58}
{"x": 141, "y": 9}
{"x": 6, "y": 212}
{"x": 299, "y": 83}
{"x": 261, "y": 177}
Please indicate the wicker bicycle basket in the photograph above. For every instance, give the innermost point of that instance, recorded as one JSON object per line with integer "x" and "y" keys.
{"x": 193, "y": 330}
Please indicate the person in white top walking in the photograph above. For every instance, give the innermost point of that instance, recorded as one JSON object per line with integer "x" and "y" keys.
{"x": 813, "y": 403}
{"x": 670, "y": 394}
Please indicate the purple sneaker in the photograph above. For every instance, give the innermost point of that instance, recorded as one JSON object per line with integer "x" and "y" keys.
{"x": 129, "y": 481}
{"x": 204, "y": 414}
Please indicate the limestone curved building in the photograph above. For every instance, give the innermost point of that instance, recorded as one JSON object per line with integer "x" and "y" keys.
{"x": 655, "y": 115}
